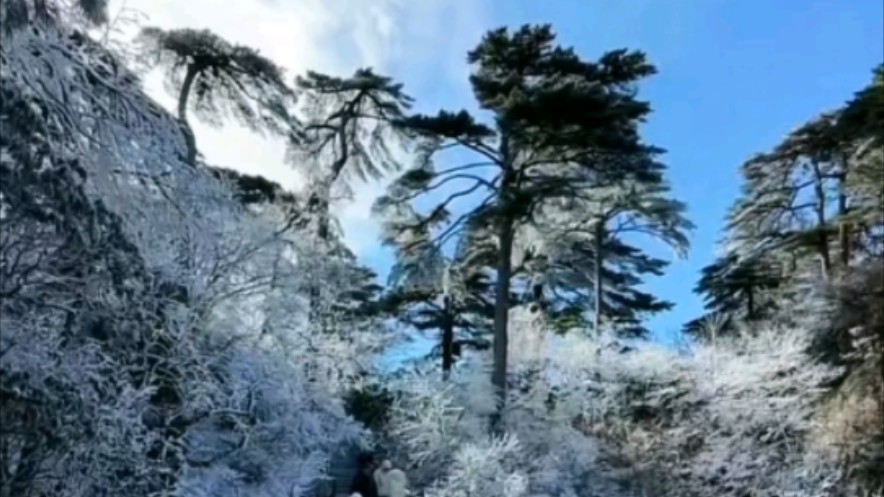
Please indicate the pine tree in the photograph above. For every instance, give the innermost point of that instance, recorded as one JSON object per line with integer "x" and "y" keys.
{"x": 350, "y": 132}
{"x": 792, "y": 196}
{"x": 810, "y": 206}
{"x": 217, "y": 79}
{"x": 859, "y": 131}
{"x": 552, "y": 113}
{"x": 590, "y": 263}
{"x": 350, "y": 128}
{"x": 430, "y": 291}
{"x": 737, "y": 290}
{"x": 253, "y": 189}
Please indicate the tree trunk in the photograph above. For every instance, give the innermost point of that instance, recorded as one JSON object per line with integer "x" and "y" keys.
{"x": 501, "y": 314}
{"x": 318, "y": 206}
{"x": 447, "y": 338}
{"x": 750, "y": 303}
{"x": 183, "y": 97}
{"x": 822, "y": 222}
{"x": 843, "y": 228}
{"x": 265, "y": 325}
{"x": 597, "y": 274}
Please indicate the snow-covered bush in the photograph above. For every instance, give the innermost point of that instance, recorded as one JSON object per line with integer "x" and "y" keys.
{"x": 598, "y": 418}
{"x": 268, "y": 434}
{"x": 441, "y": 433}
{"x": 737, "y": 415}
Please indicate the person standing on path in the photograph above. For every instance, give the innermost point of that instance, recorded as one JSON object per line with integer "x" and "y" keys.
{"x": 380, "y": 479}
{"x": 392, "y": 480}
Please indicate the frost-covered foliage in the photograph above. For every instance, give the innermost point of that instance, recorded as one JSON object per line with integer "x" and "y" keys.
{"x": 441, "y": 428}
{"x": 847, "y": 320}
{"x": 728, "y": 418}
{"x": 441, "y": 433}
{"x": 269, "y": 433}
{"x": 139, "y": 353}
{"x": 603, "y": 419}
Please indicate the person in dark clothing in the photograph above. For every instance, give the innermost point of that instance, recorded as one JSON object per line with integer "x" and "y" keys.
{"x": 364, "y": 482}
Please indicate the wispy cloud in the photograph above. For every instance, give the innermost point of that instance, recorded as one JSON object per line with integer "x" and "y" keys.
{"x": 421, "y": 43}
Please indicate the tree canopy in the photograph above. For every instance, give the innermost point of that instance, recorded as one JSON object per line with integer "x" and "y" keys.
{"x": 225, "y": 80}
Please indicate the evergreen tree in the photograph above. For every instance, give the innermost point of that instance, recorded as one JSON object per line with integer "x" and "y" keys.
{"x": 351, "y": 127}
{"x": 590, "y": 263}
{"x": 217, "y": 79}
{"x": 791, "y": 197}
{"x": 738, "y": 290}
{"x": 552, "y": 113}
{"x": 253, "y": 189}
{"x": 430, "y": 291}
{"x": 810, "y": 206}
{"x": 859, "y": 130}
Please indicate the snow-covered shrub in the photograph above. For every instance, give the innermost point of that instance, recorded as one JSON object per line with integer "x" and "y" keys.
{"x": 442, "y": 440}
{"x": 487, "y": 467}
{"x": 269, "y": 432}
{"x": 600, "y": 419}
{"x": 725, "y": 418}
{"x": 441, "y": 430}
{"x": 76, "y": 301}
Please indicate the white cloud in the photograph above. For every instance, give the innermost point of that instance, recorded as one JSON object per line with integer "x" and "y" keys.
{"x": 419, "y": 42}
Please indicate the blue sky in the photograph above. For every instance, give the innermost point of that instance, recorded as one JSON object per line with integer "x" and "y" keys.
{"x": 734, "y": 78}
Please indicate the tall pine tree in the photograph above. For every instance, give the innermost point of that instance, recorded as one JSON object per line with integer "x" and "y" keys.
{"x": 551, "y": 114}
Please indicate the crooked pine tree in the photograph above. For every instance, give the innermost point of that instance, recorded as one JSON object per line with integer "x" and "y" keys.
{"x": 351, "y": 133}
{"x": 216, "y": 79}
